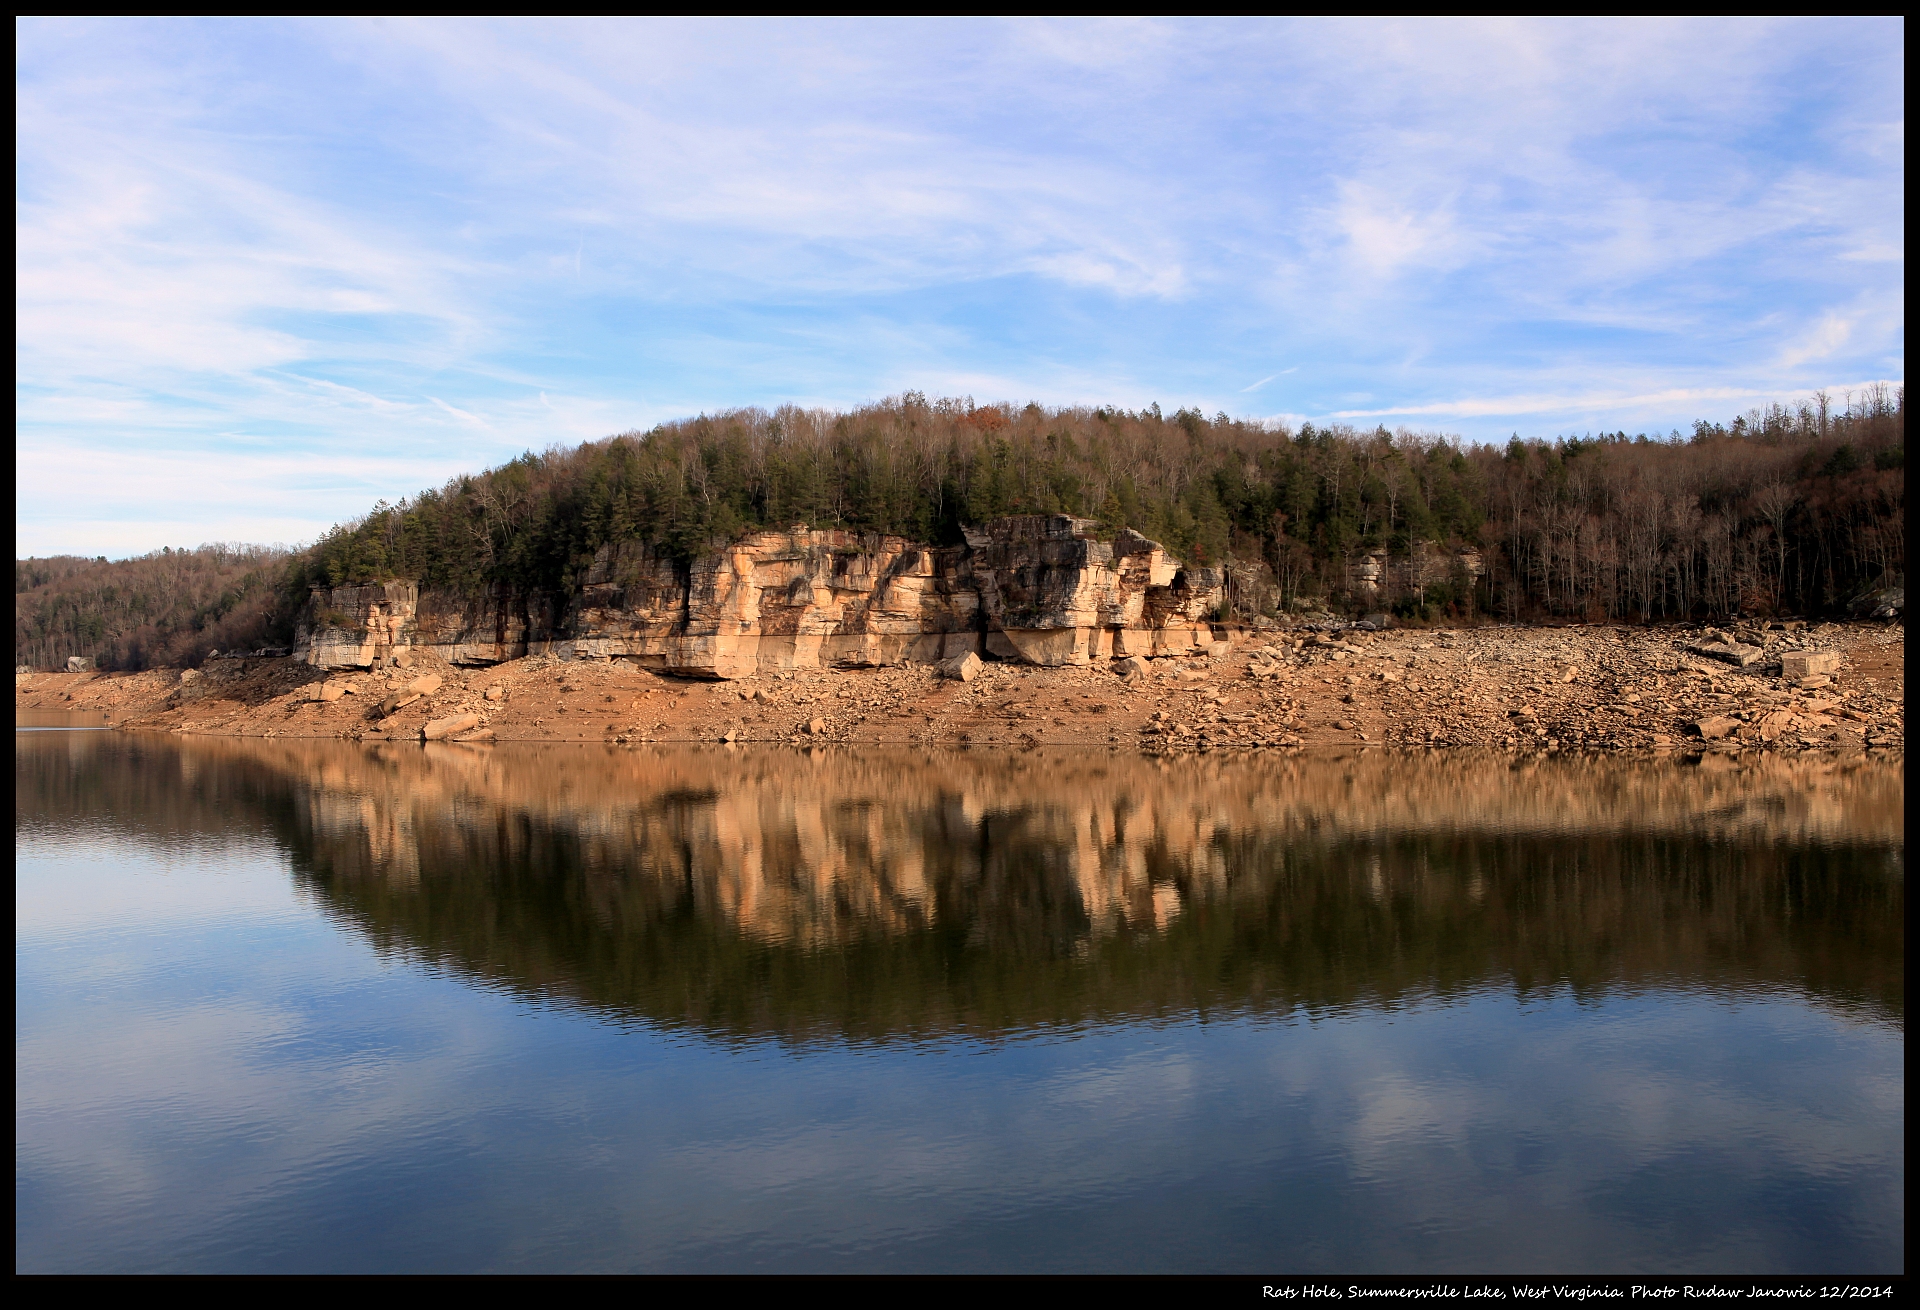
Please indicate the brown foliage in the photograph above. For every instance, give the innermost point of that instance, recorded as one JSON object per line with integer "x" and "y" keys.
{"x": 168, "y": 608}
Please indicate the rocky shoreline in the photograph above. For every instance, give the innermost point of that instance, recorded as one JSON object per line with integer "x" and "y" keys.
{"x": 1592, "y": 688}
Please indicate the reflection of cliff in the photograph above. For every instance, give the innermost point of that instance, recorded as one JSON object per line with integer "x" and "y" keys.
{"x": 777, "y": 893}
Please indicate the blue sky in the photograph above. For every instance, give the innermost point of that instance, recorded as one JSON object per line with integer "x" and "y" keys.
{"x": 269, "y": 272}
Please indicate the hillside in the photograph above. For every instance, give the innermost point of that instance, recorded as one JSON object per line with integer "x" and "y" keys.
{"x": 1784, "y": 510}
{"x": 167, "y": 608}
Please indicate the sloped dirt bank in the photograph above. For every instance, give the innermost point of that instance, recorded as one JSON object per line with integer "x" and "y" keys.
{"x": 1603, "y": 688}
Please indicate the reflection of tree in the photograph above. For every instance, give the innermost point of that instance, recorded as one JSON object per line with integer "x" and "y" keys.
{"x": 769, "y": 894}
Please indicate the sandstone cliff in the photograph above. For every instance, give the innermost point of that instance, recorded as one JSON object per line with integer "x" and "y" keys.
{"x": 1038, "y": 589}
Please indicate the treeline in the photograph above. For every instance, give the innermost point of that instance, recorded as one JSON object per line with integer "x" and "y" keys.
{"x": 164, "y": 609}
{"x": 1784, "y": 510}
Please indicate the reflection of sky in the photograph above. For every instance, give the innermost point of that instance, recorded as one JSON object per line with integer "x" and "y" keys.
{"x": 210, "y": 1075}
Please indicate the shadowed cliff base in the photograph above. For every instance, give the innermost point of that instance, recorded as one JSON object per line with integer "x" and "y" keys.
{"x": 745, "y": 895}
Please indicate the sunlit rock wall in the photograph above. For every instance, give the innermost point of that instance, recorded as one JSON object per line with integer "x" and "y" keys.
{"x": 1039, "y": 589}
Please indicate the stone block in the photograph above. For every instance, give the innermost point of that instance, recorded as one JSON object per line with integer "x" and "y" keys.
{"x": 399, "y": 700}
{"x": 448, "y": 726}
{"x": 1732, "y": 652}
{"x": 1808, "y": 663}
{"x": 1716, "y": 726}
{"x": 961, "y": 668}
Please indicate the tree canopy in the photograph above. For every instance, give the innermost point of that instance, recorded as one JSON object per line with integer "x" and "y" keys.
{"x": 1785, "y": 509}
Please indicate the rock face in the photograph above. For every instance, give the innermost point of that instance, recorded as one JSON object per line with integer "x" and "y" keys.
{"x": 1037, "y": 589}
{"x": 1888, "y": 603}
{"x": 1425, "y": 565}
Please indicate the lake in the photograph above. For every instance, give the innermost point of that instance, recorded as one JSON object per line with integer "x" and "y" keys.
{"x": 311, "y": 1006}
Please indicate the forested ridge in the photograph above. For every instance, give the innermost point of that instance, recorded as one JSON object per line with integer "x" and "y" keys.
{"x": 169, "y": 607}
{"x": 1791, "y": 508}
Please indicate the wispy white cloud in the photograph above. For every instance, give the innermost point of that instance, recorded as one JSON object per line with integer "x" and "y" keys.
{"x": 474, "y": 419}
{"x": 555, "y": 229}
{"x": 1698, "y": 400}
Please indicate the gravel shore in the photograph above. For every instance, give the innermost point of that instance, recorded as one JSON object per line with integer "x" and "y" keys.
{"x": 1579, "y": 688}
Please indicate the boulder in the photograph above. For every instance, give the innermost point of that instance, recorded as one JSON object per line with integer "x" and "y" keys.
{"x": 816, "y": 727}
{"x": 495, "y": 693}
{"x": 398, "y": 701}
{"x": 1131, "y": 666}
{"x": 79, "y": 664}
{"x": 1716, "y": 726}
{"x": 328, "y": 692}
{"x": 1888, "y": 603}
{"x": 425, "y": 685}
{"x": 1733, "y": 652}
{"x": 961, "y": 668}
{"x": 1808, "y": 663}
{"x": 448, "y": 726}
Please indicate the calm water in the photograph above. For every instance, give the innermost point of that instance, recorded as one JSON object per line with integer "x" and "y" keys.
{"x": 309, "y": 1006}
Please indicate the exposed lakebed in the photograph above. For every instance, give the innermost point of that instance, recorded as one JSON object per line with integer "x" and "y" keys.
{"x": 311, "y": 1005}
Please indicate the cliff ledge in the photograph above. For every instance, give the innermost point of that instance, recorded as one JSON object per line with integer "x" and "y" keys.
{"x": 1033, "y": 589}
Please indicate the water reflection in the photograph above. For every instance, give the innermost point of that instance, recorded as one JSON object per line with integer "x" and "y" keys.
{"x": 878, "y": 897}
